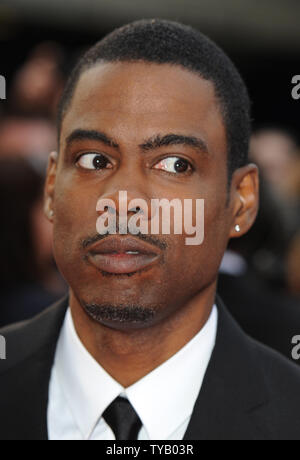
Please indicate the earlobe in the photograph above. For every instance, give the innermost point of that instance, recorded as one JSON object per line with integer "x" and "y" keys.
{"x": 49, "y": 186}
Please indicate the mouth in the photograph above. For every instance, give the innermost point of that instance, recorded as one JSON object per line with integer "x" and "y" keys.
{"x": 123, "y": 255}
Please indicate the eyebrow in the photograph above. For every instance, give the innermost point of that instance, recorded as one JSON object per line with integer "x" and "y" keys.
{"x": 151, "y": 144}
{"x": 84, "y": 134}
{"x": 175, "y": 139}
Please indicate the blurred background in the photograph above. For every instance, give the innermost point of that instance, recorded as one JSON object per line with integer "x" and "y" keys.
{"x": 40, "y": 41}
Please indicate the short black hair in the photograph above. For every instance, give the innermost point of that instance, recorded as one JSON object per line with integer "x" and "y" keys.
{"x": 167, "y": 42}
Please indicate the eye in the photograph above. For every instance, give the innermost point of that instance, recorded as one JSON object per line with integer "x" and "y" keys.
{"x": 93, "y": 161}
{"x": 174, "y": 165}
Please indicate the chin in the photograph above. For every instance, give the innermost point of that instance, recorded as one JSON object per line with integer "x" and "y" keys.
{"x": 121, "y": 316}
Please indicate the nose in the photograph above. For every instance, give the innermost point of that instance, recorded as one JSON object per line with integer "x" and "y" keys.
{"x": 124, "y": 198}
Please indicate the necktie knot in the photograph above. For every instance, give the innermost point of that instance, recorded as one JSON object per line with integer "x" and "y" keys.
{"x": 122, "y": 419}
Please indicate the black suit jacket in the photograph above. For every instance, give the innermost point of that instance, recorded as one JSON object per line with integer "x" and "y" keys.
{"x": 266, "y": 316}
{"x": 249, "y": 391}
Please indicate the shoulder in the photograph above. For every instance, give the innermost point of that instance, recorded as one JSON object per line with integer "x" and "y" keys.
{"x": 281, "y": 380}
{"x": 26, "y": 338}
{"x": 250, "y": 353}
{"x": 281, "y": 375}
{"x": 25, "y": 373}
{"x": 256, "y": 380}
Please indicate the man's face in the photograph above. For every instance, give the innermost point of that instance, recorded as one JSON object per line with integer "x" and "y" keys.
{"x": 133, "y": 103}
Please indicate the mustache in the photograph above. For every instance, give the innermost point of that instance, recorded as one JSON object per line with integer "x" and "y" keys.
{"x": 84, "y": 243}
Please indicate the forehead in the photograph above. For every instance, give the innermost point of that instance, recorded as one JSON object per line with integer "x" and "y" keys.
{"x": 140, "y": 99}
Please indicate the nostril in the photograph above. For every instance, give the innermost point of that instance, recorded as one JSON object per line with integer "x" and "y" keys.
{"x": 109, "y": 209}
{"x": 135, "y": 209}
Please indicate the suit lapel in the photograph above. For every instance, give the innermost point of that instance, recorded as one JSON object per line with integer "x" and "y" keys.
{"x": 233, "y": 389}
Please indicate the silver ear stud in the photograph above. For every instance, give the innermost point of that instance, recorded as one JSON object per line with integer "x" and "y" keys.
{"x": 51, "y": 213}
{"x": 237, "y": 228}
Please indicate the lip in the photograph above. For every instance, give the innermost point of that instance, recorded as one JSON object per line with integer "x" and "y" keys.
{"x": 110, "y": 255}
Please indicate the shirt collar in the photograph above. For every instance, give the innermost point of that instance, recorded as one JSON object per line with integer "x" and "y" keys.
{"x": 163, "y": 399}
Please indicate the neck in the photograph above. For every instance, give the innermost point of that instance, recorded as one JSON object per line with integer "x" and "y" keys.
{"x": 129, "y": 355}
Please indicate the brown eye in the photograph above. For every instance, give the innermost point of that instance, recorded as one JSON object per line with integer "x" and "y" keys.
{"x": 93, "y": 161}
{"x": 174, "y": 165}
{"x": 181, "y": 165}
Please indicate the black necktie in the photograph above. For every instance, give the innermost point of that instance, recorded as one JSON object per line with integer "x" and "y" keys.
{"x": 122, "y": 418}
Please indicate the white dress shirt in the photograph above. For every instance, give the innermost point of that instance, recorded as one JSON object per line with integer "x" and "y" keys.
{"x": 80, "y": 389}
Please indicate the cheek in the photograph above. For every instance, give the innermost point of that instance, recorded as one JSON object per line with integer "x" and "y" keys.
{"x": 202, "y": 206}
{"x": 75, "y": 206}
{"x": 216, "y": 236}
{"x": 75, "y": 219}
{"x": 201, "y": 261}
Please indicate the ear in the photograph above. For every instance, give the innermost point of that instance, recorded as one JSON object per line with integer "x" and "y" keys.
{"x": 245, "y": 199}
{"x": 49, "y": 186}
